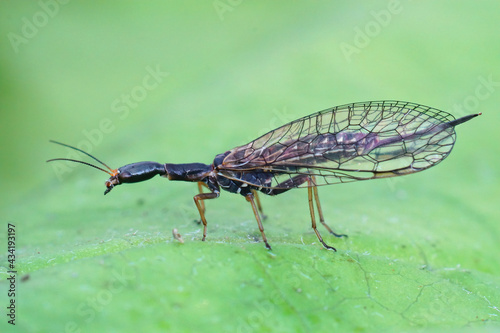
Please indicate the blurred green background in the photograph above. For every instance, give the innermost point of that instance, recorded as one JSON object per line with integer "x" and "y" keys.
{"x": 183, "y": 81}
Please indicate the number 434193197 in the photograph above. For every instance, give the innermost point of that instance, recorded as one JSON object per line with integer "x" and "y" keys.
{"x": 11, "y": 245}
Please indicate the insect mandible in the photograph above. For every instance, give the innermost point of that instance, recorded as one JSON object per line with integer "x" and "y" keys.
{"x": 351, "y": 142}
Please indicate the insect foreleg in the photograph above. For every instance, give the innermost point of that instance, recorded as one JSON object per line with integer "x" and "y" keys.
{"x": 200, "y": 189}
{"x": 250, "y": 199}
{"x": 198, "y": 200}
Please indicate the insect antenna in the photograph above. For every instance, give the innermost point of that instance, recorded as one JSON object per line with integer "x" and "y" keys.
{"x": 110, "y": 172}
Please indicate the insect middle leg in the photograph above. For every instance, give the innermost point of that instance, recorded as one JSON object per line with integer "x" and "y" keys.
{"x": 257, "y": 200}
{"x": 250, "y": 198}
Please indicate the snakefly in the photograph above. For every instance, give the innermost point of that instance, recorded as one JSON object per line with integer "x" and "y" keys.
{"x": 346, "y": 143}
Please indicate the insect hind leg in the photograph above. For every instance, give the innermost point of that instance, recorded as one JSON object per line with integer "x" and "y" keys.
{"x": 320, "y": 213}
{"x": 287, "y": 185}
{"x": 312, "y": 191}
{"x": 313, "y": 220}
{"x": 296, "y": 181}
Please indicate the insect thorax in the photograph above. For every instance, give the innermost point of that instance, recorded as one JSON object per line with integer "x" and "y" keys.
{"x": 235, "y": 181}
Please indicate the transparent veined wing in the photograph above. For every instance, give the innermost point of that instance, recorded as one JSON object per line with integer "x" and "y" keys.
{"x": 351, "y": 142}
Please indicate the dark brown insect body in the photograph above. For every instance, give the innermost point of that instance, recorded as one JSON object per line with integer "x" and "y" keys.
{"x": 357, "y": 141}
